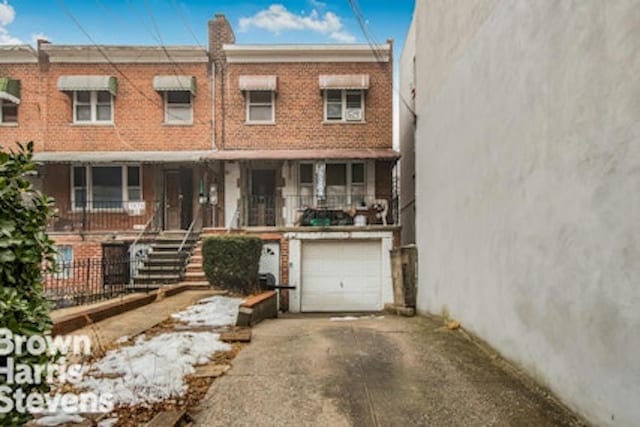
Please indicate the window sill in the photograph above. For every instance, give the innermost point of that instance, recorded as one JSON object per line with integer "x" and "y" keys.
{"x": 260, "y": 123}
{"x": 343, "y": 122}
{"x": 9, "y": 125}
{"x": 92, "y": 124}
{"x": 178, "y": 124}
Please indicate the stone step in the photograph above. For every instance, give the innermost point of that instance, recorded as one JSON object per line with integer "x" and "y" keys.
{"x": 163, "y": 262}
{"x": 168, "y": 247}
{"x": 160, "y": 269}
{"x": 194, "y": 267}
{"x": 194, "y": 276}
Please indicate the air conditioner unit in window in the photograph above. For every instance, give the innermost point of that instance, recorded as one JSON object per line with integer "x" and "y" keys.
{"x": 354, "y": 114}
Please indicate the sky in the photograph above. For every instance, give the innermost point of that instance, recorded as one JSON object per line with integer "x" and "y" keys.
{"x": 175, "y": 22}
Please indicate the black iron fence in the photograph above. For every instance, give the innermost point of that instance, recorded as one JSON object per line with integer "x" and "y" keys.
{"x": 88, "y": 280}
{"x": 102, "y": 215}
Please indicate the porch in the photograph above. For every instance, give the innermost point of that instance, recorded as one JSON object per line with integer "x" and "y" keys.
{"x": 303, "y": 193}
{"x": 130, "y": 197}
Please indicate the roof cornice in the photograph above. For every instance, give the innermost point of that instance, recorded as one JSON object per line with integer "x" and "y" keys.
{"x": 306, "y": 53}
{"x": 18, "y": 54}
{"x": 83, "y": 54}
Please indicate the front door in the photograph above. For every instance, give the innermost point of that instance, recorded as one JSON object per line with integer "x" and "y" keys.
{"x": 172, "y": 200}
{"x": 262, "y": 203}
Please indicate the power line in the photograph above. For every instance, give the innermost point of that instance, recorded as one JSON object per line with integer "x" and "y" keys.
{"x": 373, "y": 45}
{"x": 64, "y": 8}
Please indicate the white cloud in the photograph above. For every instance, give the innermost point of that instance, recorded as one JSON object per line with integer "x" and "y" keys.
{"x": 317, "y": 4}
{"x": 277, "y": 18}
{"x": 39, "y": 36}
{"x": 343, "y": 37}
{"x": 7, "y": 15}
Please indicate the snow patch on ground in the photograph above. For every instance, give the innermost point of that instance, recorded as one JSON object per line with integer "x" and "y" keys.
{"x": 57, "y": 419}
{"x": 109, "y": 422}
{"x": 152, "y": 370}
{"x": 343, "y": 319}
{"x": 213, "y": 311}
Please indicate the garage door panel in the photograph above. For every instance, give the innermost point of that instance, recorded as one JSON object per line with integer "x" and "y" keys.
{"x": 341, "y": 276}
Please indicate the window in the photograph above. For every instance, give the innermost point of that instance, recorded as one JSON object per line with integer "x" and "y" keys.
{"x": 306, "y": 183}
{"x": 343, "y": 183}
{"x": 178, "y": 107}
{"x": 8, "y": 112}
{"x": 344, "y": 105}
{"x": 105, "y": 187}
{"x": 64, "y": 262}
{"x": 260, "y": 107}
{"x": 92, "y": 106}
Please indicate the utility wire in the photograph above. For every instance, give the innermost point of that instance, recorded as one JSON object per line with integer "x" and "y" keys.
{"x": 374, "y": 46}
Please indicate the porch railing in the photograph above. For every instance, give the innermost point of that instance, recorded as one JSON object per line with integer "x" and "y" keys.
{"x": 311, "y": 210}
{"x": 104, "y": 215}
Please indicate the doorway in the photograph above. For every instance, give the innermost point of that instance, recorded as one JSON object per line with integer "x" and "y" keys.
{"x": 262, "y": 200}
{"x": 178, "y": 199}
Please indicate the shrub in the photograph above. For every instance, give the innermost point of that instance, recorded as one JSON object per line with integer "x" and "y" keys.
{"x": 232, "y": 262}
{"x": 24, "y": 248}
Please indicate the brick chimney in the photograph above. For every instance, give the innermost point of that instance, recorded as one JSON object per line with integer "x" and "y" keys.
{"x": 43, "y": 58}
{"x": 220, "y": 32}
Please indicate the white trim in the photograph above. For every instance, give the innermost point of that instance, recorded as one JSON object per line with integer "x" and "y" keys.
{"x": 305, "y": 53}
{"x": 272, "y": 104}
{"x": 83, "y": 54}
{"x": 89, "y": 185}
{"x": 18, "y": 54}
{"x": 93, "y": 105}
{"x": 295, "y": 240}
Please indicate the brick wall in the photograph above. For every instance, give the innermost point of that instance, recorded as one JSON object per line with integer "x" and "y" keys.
{"x": 299, "y": 109}
{"x": 138, "y": 111}
{"x": 30, "y": 112}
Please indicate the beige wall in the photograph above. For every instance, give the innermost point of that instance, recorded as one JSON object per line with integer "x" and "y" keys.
{"x": 528, "y": 178}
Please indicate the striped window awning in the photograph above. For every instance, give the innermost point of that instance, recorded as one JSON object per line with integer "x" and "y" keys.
{"x": 175, "y": 83}
{"x": 344, "y": 81}
{"x": 10, "y": 90}
{"x": 74, "y": 83}
{"x": 269, "y": 83}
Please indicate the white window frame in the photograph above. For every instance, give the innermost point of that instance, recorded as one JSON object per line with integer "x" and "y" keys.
{"x": 168, "y": 117}
{"x": 271, "y": 104}
{"x": 124, "y": 170}
{"x": 349, "y": 178}
{"x": 93, "y": 103}
{"x": 344, "y": 93}
{"x": 2, "y": 102}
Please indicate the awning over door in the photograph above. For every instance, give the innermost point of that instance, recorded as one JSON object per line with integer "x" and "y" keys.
{"x": 10, "y": 90}
{"x": 73, "y": 83}
{"x": 344, "y": 81}
{"x": 258, "y": 83}
{"x": 175, "y": 83}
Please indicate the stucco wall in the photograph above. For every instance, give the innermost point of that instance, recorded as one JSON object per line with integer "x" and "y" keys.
{"x": 407, "y": 131}
{"x": 528, "y": 188}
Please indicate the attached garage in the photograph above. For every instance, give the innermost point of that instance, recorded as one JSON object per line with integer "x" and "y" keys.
{"x": 341, "y": 276}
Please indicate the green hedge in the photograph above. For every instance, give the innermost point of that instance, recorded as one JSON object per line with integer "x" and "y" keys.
{"x": 232, "y": 262}
{"x": 24, "y": 248}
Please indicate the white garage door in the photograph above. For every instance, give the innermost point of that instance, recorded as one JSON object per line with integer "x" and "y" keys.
{"x": 341, "y": 275}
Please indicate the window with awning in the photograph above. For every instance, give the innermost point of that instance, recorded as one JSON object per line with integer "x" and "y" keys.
{"x": 178, "y": 92}
{"x": 10, "y": 90}
{"x": 88, "y": 84}
{"x": 258, "y": 83}
{"x": 344, "y": 81}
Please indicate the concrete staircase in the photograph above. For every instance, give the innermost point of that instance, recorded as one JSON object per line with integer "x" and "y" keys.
{"x": 164, "y": 264}
{"x": 194, "y": 272}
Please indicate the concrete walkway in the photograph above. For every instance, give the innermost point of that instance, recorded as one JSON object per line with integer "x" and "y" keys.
{"x": 372, "y": 372}
{"x": 139, "y": 320}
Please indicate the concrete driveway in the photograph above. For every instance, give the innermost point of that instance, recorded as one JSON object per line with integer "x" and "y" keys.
{"x": 369, "y": 372}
